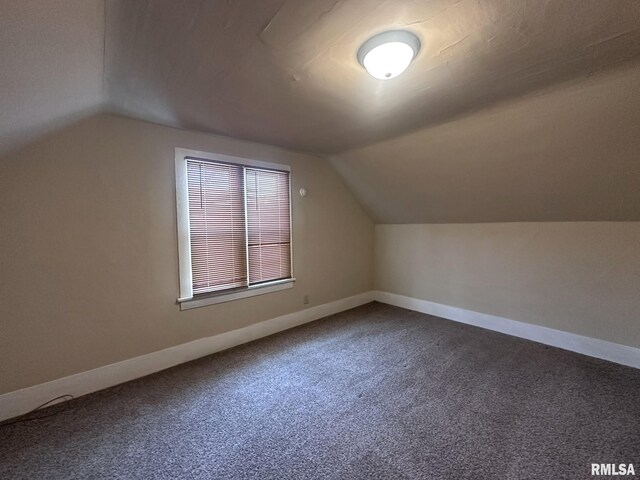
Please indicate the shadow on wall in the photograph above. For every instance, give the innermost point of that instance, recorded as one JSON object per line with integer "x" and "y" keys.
{"x": 15, "y": 140}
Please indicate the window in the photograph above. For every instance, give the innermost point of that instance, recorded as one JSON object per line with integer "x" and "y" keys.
{"x": 234, "y": 227}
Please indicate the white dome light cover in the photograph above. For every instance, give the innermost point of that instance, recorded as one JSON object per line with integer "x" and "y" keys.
{"x": 388, "y": 54}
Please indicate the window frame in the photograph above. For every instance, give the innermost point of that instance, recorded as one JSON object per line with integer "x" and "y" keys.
{"x": 187, "y": 299}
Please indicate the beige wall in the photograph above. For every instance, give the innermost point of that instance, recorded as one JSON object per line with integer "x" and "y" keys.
{"x": 88, "y": 252}
{"x": 578, "y": 277}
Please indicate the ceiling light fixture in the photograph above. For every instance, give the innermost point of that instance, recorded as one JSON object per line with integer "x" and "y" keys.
{"x": 388, "y": 54}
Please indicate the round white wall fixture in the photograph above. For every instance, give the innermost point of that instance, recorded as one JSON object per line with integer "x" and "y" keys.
{"x": 388, "y": 54}
{"x": 303, "y": 192}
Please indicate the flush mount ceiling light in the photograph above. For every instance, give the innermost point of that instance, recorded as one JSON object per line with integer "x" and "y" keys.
{"x": 388, "y": 54}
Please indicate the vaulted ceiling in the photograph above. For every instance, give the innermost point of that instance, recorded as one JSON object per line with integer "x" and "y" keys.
{"x": 51, "y": 66}
{"x": 284, "y": 71}
{"x": 513, "y": 110}
{"x": 570, "y": 152}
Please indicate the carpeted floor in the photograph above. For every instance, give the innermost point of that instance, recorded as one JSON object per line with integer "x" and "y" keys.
{"x": 375, "y": 392}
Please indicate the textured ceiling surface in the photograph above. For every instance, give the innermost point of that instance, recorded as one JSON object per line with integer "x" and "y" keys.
{"x": 284, "y": 72}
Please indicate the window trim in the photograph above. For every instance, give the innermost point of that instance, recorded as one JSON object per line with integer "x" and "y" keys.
{"x": 187, "y": 299}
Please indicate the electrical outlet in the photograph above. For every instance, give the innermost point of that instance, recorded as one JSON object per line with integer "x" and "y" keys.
{"x": 305, "y": 299}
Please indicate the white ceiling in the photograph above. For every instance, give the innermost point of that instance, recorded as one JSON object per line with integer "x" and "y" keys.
{"x": 284, "y": 72}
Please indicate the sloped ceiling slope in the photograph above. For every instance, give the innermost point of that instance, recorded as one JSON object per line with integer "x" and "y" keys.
{"x": 51, "y": 66}
{"x": 568, "y": 153}
{"x": 520, "y": 110}
{"x": 284, "y": 72}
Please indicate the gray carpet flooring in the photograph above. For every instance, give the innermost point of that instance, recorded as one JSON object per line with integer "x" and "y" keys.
{"x": 375, "y": 392}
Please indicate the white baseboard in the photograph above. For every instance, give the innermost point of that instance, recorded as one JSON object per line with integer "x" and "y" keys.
{"x": 22, "y": 401}
{"x": 592, "y": 347}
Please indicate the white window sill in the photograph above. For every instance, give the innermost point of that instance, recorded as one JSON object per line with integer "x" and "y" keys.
{"x": 221, "y": 297}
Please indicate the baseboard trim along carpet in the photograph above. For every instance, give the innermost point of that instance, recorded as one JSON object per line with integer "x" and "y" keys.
{"x": 22, "y": 401}
{"x": 592, "y": 347}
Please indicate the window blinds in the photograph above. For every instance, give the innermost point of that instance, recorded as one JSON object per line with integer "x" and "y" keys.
{"x": 268, "y": 225}
{"x": 216, "y": 226}
{"x": 239, "y": 225}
